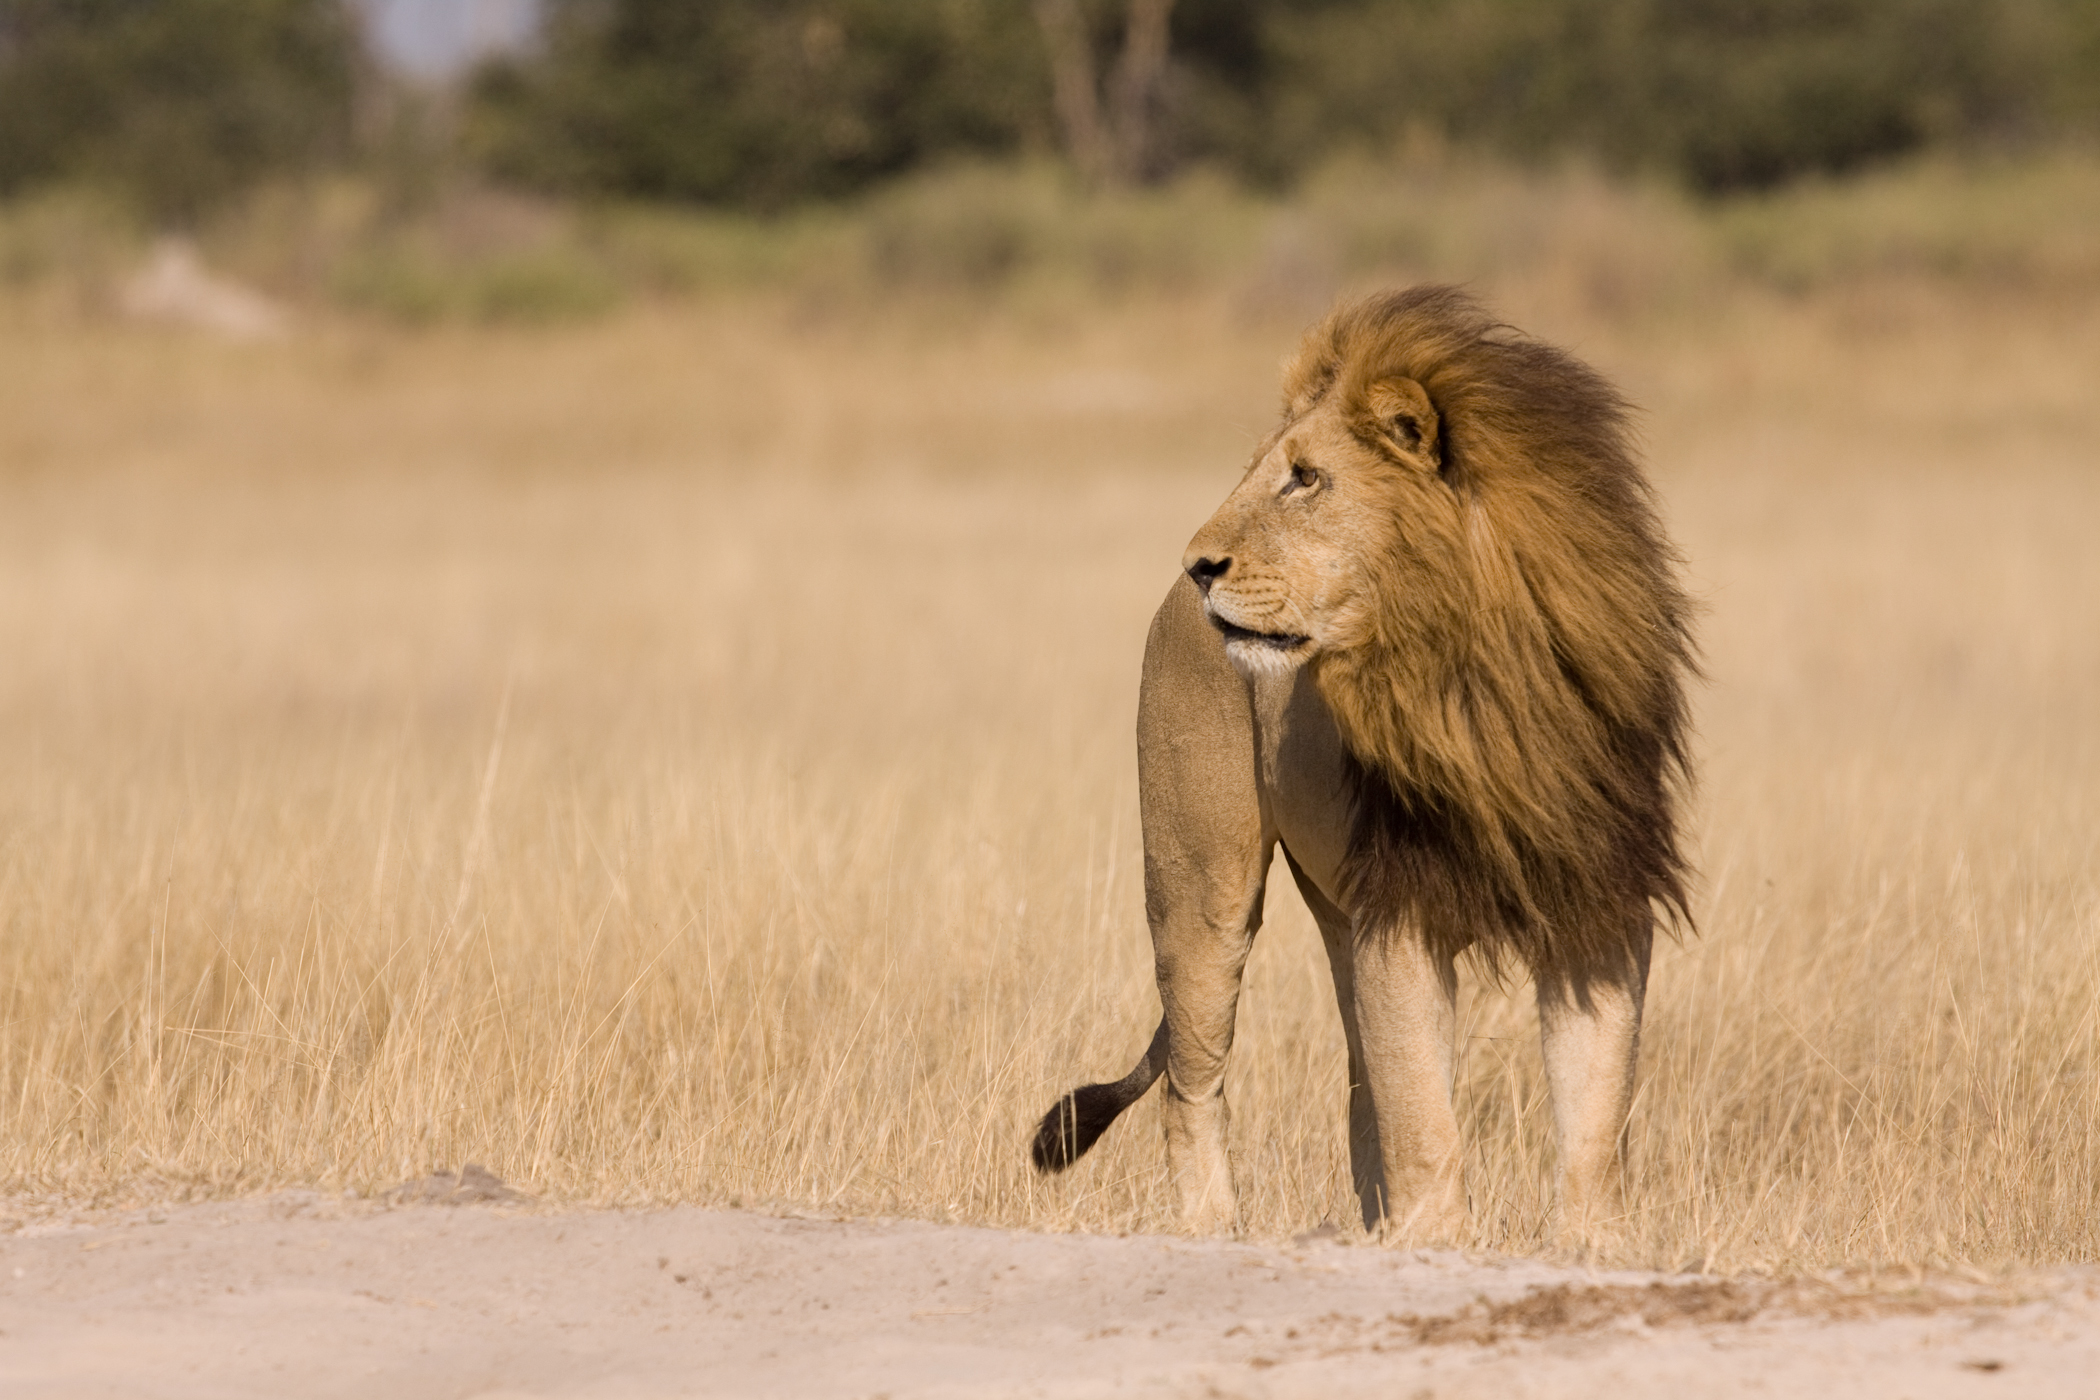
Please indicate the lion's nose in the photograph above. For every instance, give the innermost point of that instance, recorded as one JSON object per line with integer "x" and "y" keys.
{"x": 1207, "y": 569}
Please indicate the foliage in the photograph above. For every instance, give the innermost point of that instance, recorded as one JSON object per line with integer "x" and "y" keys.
{"x": 175, "y": 104}
{"x": 751, "y": 103}
{"x": 737, "y": 102}
{"x": 1722, "y": 94}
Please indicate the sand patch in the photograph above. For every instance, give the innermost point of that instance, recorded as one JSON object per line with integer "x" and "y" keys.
{"x": 304, "y": 1294}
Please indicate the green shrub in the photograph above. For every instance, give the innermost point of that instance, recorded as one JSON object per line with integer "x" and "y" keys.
{"x": 66, "y": 235}
{"x": 551, "y": 284}
{"x": 404, "y": 281}
{"x": 2027, "y": 223}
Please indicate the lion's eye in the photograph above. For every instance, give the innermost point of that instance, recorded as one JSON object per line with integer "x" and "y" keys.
{"x": 1303, "y": 478}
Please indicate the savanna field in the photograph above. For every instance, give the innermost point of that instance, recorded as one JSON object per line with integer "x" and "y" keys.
{"x": 685, "y": 755}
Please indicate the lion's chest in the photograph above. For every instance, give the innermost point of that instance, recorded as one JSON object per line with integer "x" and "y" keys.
{"x": 1303, "y": 776}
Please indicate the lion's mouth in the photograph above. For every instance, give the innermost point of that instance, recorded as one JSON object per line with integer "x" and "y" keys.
{"x": 1275, "y": 641}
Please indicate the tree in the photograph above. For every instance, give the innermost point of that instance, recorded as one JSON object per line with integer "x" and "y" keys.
{"x": 1722, "y": 94}
{"x": 176, "y": 104}
{"x": 765, "y": 102}
{"x": 755, "y": 103}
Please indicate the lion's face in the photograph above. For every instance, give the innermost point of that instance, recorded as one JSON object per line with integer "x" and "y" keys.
{"x": 1299, "y": 558}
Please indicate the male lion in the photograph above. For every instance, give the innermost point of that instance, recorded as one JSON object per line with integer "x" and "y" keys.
{"x": 1432, "y": 644}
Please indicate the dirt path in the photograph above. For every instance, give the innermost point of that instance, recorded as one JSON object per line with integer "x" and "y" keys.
{"x": 300, "y": 1296}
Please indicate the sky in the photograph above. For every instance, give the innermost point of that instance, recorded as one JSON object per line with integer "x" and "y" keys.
{"x": 438, "y": 39}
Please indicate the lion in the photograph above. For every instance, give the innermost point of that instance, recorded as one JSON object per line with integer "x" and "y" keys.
{"x": 1432, "y": 646}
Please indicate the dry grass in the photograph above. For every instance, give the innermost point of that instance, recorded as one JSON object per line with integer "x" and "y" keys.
{"x": 688, "y": 757}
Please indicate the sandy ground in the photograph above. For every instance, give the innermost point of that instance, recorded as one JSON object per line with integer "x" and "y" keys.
{"x": 301, "y": 1295}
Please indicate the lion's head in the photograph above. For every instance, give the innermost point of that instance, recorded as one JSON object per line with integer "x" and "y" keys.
{"x": 1449, "y": 527}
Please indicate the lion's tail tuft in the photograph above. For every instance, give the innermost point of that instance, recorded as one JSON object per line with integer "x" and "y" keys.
{"x": 1078, "y": 1120}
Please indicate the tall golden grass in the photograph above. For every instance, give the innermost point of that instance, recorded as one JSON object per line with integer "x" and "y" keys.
{"x": 687, "y": 757}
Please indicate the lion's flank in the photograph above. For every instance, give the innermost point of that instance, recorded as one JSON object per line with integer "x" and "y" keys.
{"x": 1516, "y": 706}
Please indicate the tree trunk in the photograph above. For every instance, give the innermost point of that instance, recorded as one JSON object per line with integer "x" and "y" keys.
{"x": 1072, "y": 86}
{"x": 1135, "y": 95}
{"x": 1117, "y": 146}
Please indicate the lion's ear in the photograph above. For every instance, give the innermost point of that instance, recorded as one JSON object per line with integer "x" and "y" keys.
{"x": 1407, "y": 421}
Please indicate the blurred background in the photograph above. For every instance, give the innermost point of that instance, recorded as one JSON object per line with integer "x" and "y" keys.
{"x": 572, "y": 575}
{"x": 424, "y": 159}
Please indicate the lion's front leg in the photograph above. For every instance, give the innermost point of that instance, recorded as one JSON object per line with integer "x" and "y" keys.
{"x": 1590, "y": 1031}
{"x": 1406, "y": 1013}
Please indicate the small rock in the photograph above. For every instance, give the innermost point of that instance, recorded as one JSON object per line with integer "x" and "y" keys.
{"x": 472, "y": 1184}
{"x": 1326, "y": 1232}
{"x": 174, "y": 287}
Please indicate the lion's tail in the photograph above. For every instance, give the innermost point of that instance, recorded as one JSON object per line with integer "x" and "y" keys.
{"x": 1079, "y": 1119}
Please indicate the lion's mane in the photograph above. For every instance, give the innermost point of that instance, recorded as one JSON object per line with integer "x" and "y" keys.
{"x": 1513, "y": 700}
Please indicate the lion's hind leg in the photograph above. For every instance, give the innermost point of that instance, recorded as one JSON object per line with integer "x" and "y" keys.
{"x": 1207, "y": 848}
{"x": 1078, "y": 1120}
